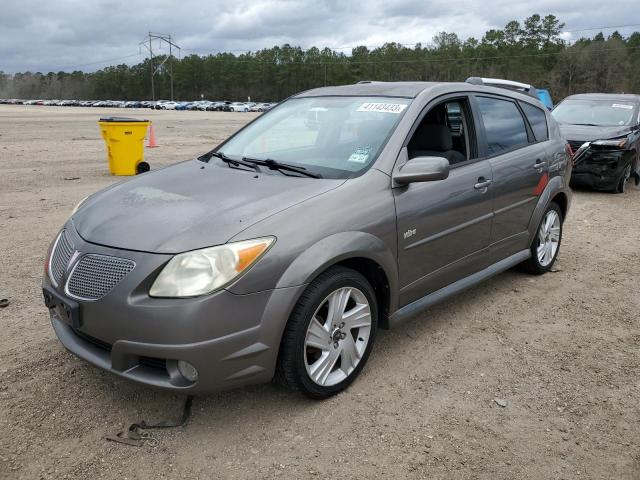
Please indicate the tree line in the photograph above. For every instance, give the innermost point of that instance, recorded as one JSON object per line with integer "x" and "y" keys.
{"x": 531, "y": 51}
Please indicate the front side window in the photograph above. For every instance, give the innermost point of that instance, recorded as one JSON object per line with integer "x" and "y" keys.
{"x": 336, "y": 137}
{"x": 601, "y": 113}
{"x": 538, "y": 121}
{"x": 503, "y": 124}
{"x": 444, "y": 132}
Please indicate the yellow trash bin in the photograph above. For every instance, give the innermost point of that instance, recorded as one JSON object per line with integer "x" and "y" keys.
{"x": 125, "y": 144}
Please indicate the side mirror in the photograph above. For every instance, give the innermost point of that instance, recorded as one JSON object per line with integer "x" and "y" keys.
{"x": 422, "y": 169}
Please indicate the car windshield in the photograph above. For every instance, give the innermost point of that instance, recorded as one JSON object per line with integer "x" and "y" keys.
{"x": 336, "y": 137}
{"x": 595, "y": 112}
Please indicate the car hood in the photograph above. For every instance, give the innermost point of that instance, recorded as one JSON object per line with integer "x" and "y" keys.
{"x": 188, "y": 206}
{"x": 586, "y": 133}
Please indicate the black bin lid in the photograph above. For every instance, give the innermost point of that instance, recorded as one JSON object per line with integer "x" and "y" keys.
{"x": 122, "y": 119}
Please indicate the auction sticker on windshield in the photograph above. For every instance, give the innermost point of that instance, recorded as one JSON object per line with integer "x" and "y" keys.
{"x": 620, "y": 105}
{"x": 382, "y": 107}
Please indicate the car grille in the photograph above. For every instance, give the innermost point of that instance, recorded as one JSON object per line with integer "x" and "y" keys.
{"x": 94, "y": 341}
{"x": 60, "y": 257}
{"x": 575, "y": 144}
{"x": 150, "y": 362}
{"x": 95, "y": 275}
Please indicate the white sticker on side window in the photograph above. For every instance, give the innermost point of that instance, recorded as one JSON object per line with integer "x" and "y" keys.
{"x": 382, "y": 107}
{"x": 620, "y": 105}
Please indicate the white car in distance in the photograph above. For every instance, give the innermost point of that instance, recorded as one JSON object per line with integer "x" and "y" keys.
{"x": 238, "y": 107}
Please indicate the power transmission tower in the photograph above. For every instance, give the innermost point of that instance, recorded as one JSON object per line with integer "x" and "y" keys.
{"x": 162, "y": 39}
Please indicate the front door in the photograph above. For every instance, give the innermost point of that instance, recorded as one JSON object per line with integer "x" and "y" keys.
{"x": 443, "y": 229}
{"x": 444, "y": 226}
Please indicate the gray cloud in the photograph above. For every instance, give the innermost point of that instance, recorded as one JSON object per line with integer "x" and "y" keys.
{"x": 87, "y": 35}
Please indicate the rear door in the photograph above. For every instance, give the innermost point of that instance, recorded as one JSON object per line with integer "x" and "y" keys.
{"x": 520, "y": 169}
{"x": 444, "y": 226}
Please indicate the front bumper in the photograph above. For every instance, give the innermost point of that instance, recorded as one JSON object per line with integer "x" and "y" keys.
{"x": 601, "y": 170}
{"x": 232, "y": 340}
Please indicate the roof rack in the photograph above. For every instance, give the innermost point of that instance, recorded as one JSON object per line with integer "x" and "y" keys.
{"x": 508, "y": 84}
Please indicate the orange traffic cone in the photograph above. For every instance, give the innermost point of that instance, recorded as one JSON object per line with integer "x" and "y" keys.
{"x": 152, "y": 137}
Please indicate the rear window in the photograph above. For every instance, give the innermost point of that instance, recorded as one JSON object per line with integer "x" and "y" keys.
{"x": 538, "y": 121}
{"x": 503, "y": 124}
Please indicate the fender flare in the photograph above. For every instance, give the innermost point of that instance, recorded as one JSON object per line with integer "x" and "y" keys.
{"x": 339, "y": 247}
{"x": 553, "y": 188}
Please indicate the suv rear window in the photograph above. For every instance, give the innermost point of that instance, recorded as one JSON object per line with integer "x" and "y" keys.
{"x": 538, "y": 121}
{"x": 503, "y": 124}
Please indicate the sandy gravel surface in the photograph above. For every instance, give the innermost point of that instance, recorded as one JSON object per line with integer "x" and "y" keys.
{"x": 562, "y": 351}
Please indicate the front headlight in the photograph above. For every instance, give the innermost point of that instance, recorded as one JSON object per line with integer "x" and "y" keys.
{"x": 612, "y": 143}
{"x": 200, "y": 272}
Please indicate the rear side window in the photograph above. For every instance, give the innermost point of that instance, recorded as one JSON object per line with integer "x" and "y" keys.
{"x": 537, "y": 120}
{"x": 503, "y": 124}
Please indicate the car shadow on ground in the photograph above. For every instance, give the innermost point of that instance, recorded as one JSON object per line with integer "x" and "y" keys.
{"x": 129, "y": 402}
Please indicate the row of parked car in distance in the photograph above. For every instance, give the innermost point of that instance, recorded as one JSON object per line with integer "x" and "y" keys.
{"x": 203, "y": 105}
{"x": 218, "y": 106}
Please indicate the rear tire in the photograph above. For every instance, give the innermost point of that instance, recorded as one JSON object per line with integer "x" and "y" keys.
{"x": 329, "y": 335}
{"x": 546, "y": 245}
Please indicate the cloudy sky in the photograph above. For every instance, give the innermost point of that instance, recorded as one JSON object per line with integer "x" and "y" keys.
{"x": 52, "y": 35}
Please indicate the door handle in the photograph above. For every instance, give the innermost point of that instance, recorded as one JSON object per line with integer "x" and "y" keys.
{"x": 482, "y": 184}
{"x": 539, "y": 164}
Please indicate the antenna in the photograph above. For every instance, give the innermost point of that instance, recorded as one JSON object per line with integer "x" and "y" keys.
{"x": 161, "y": 38}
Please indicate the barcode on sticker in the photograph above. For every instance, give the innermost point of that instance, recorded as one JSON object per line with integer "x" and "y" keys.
{"x": 382, "y": 107}
{"x": 620, "y": 105}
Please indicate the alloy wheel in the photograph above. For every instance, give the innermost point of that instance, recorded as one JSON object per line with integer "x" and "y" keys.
{"x": 337, "y": 336}
{"x": 548, "y": 238}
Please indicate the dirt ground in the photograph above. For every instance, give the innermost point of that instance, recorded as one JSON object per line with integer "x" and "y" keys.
{"x": 563, "y": 352}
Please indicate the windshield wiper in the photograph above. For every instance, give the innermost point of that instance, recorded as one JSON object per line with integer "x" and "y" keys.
{"x": 229, "y": 161}
{"x": 587, "y": 124}
{"x": 275, "y": 165}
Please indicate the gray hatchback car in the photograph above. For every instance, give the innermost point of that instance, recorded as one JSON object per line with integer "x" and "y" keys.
{"x": 281, "y": 252}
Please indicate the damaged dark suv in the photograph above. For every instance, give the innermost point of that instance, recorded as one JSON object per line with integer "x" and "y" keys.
{"x": 603, "y": 131}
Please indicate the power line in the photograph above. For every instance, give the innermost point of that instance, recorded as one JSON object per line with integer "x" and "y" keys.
{"x": 602, "y": 28}
{"x": 97, "y": 62}
{"x": 358, "y": 62}
{"x": 435, "y": 60}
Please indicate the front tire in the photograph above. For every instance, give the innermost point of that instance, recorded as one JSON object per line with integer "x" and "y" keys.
{"x": 329, "y": 335}
{"x": 546, "y": 246}
{"x": 622, "y": 183}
